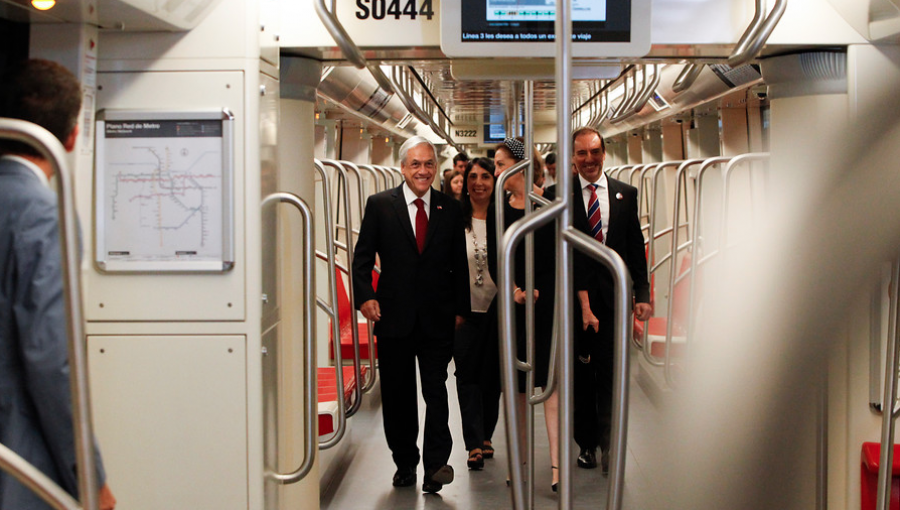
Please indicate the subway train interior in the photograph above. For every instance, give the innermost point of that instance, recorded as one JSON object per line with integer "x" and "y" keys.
{"x": 233, "y": 373}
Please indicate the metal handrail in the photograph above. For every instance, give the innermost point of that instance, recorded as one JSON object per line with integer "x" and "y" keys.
{"x": 374, "y": 173}
{"x": 695, "y": 263}
{"x": 350, "y": 50}
{"x": 330, "y": 309}
{"x": 687, "y": 77}
{"x": 51, "y": 150}
{"x": 310, "y": 414}
{"x": 344, "y": 190}
{"x": 385, "y": 176}
{"x": 729, "y": 171}
{"x": 622, "y": 286}
{"x": 655, "y": 234}
{"x": 370, "y": 378}
{"x": 648, "y": 91}
{"x": 418, "y": 112}
{"x": 500, "y": 221}
{"x": 891, "y": 362}
{"x": 756, "y": 35}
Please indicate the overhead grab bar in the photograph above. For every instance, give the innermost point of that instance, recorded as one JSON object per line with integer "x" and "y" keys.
{"x": 687, "y": 77}
{"x": 330, "y": 309}
{"x": 350, "y": 50}
{"x": 348, "y": 249}
{"x": 50, "y": 149}
{"x": 419, "y": 113}
{"x": 310, "y": 414}
{"x": 756, "y": 35}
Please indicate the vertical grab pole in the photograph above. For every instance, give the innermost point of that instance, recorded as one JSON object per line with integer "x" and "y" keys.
{"x": 889, "y": 412}
{"x": 331, "y": 310}
{"x": 528, "y": 117}
{"x": 51, "y": 150}
{"x": 354, "y": 326}
{"x": 310, "y": 446}
{"x": 563, "y": 34}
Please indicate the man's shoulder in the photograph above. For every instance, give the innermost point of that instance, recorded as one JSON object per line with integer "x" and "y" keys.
{"x": 20, "y": 188}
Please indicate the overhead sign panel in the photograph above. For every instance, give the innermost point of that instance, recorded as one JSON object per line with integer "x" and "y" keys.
{"x": 526, "y": 28}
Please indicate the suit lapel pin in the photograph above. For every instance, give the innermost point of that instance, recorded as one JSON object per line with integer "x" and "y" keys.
{"x": 439, "y": 208}
{"x": 619, "y": 196}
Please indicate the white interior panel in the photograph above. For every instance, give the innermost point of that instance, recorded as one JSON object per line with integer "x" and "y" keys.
{"x": 170, "y": 415}
{"x": 187, "y": 296}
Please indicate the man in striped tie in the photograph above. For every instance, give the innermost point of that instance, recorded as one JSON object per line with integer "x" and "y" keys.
{"x": 607, "y": 210}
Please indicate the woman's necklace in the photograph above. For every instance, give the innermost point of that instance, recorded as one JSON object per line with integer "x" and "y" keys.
{"x": 480, "y": 258}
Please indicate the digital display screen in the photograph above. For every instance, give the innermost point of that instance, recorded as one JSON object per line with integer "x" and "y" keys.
{"x": 498, "y": 21}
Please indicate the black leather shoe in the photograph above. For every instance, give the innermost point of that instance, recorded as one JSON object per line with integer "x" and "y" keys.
{"x": 405, "y": 477}
{"x": 604, "y": 463}
{"x": 437, "y": 478}
{"x": 587, "y": 459}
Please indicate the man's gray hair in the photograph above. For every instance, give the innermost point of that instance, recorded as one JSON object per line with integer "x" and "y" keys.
{"x": 412, "y": 142}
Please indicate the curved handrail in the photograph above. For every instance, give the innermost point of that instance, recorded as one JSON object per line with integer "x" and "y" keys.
{"x": 726, "y": 180}
{"x": 756, "y": 35}
{"x": 655, "y": 234}
{"x": 370, "y": 378}
{"x": 648, "y": 91}
{"x": 626, "y": 99}
{"x": 51, "y": 150}
{"x": 687, "y": 77}
{"x": 344, "y": 190}
{"x": 509, "y": 364}
{"x": 310, "y": 415}
{"x": 419, "y": 113}
{"x": 622, "y": 286}
{"x": 695, "y": 263}
{"x": 374, "y": 173}
{"x": 350, "y": 50}
{"x": 330, "y": 309}
{"x": 500, "y": 221}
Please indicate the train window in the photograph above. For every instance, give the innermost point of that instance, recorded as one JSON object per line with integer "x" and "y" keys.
{"x": 502, "y": 28}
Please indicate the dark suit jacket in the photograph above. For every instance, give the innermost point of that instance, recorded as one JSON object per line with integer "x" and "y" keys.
{"x": 624, "y": 237}
{"x": 433, "y": 286}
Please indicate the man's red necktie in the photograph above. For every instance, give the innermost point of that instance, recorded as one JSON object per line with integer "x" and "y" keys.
{"x": 421, "y": 224}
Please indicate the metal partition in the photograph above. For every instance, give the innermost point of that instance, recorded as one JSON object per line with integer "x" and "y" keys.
{"x": 50, "y": 149}
{"x": 310, "y": 414}
{"x": 331, "y": 309}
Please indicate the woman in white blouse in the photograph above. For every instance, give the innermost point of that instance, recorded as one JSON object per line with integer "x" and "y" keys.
{"x": 475, "y": 349}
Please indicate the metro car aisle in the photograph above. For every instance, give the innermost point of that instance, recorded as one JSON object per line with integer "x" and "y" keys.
{"x": 363, "y": 479}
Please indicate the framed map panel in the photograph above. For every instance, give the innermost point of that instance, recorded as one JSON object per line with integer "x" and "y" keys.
{"x": 164, "y": 191}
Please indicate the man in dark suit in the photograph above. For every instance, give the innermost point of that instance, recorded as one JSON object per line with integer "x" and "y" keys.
{"x": 605, "y": 209}
{"x": 423, "y": 295}
{"x": 35, "y": 397}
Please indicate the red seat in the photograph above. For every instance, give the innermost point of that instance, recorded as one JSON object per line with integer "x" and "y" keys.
{"x": 656, "y": 333}
{"x": 871, "y": 459}
{"x": 346, "y": 313}
{"x": 327, "y": 391}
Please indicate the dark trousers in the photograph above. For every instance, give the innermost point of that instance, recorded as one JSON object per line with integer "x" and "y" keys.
{"x": 397, "y": 368}
{"x": 594, "y": 382}
{"x": 475, "y": 351}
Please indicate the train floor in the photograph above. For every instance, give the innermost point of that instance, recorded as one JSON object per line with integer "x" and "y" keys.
{"x": 362, "y": 474}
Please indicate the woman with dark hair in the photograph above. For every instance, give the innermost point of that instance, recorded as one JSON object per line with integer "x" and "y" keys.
{"x": 507, "y": 154}
{"x": 475, "y": 347}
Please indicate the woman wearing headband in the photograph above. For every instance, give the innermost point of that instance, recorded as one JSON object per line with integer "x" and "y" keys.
{"x": 507, "y": 154}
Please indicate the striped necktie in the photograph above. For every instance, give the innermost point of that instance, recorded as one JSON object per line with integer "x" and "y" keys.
{"x": 594, "y": 214}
